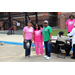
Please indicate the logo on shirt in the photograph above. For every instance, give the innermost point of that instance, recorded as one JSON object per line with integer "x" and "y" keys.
{"x": 30, "y": 30}
{"x": 70, "y": 23}
{"x": 37, "y": 32}
{"x": 45, "y": 29}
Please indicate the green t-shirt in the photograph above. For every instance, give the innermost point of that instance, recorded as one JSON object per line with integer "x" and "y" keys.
{"x": 46, "y": 33}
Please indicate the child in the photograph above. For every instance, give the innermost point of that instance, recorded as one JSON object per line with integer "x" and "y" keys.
{"x": 10, "y": 30}
{"x": 38, "y": 40}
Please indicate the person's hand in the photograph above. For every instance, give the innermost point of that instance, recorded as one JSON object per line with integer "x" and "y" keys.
{"x": 25, "y": 41}
{"x": 32, "y": 40}
{"x": 49, "y": 41}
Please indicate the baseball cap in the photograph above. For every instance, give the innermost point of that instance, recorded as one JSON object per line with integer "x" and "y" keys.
{"x": 45, "y": 21}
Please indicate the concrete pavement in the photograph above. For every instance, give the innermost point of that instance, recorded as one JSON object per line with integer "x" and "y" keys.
{"x": 16, "y": 53}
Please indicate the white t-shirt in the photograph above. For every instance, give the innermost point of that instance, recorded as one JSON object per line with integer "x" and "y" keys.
{"x": 72, "y": 33}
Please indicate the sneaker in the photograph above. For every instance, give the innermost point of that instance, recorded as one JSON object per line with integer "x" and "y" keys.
{"x": 45, "y": 56}
{"x": 48, "y": 58}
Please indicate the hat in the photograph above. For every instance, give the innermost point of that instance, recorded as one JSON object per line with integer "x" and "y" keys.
{"x": 45, "y": 21}
{"x": 61, "y": 33}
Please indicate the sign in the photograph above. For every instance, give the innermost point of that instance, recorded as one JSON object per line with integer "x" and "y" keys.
{"x": 18, "y": 24}
{"x": 59, "y": 12}
{"x": 45, "y": 14}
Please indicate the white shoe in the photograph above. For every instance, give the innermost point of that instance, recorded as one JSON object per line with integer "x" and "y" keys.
{"x": 48, "y": 58}
{"x": 45, "y": 56}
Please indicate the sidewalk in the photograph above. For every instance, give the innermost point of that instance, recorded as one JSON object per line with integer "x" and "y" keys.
{"x": 14, "y": 53}
{"x": 11, "y": 38}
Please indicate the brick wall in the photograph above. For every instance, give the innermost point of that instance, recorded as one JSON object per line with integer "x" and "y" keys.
{"x": 1, "y": 23}
{"x": 41, "y": 18}
{"x": 63, "y": 19}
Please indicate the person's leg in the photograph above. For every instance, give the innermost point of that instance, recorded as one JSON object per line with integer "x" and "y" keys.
{"x": 49, "y": 49}
{"x": 29, "y": 50}
{"x": 26, "y": 53}
{"x": 36, "y": 48}
{"x": 41, "y": 47}
{"x": 67, "y": 49}
{"x": 74, "y": 50}
{"x": 46, "y": 49}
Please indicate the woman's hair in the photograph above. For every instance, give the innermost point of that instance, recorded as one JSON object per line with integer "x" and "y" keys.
{"x": 72, "y": 16}
{"x": 41, "y": 26}
{"x": 35, "y": 27}
{"x": 61, "y": 33}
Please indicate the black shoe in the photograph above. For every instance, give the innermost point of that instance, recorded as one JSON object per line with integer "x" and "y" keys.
{"x": 72, "y": 58}
{"x": 68, "y": 55}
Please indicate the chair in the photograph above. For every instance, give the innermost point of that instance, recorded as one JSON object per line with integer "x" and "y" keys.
{"x": 60, "y": 43}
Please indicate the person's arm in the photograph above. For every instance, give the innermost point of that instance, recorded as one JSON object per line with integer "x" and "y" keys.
{"x": 67, "y": 24}
{"x": 32, "y": 35}
{"x": 50, "y": 31}
{"x": 24, "y": 36}
{"x": 71, "y": 33}
{"x": 50, "y": 36}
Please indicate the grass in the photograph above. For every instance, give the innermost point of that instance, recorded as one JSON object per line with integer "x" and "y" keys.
{"x": 55, "y": 32}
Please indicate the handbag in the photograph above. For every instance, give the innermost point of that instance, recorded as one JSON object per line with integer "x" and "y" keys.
{"x": 27, "y": 45}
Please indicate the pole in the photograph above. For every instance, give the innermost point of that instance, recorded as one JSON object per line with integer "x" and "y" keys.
{"x": 9, "y": 20}
{"x": 25, "y": 18}
{"x": 36, "y": 17}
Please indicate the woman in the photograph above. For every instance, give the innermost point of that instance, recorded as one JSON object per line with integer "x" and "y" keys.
{"x": 28, "y": 35}
{"x": 47, "y": 33}
{"x": 70, "y": 23}
{"x": 38, "y": 40}
{"x": 62, "y": 38}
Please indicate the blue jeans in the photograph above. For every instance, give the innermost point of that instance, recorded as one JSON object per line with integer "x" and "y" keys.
{"x": 47, "y": 48}
{"x": 27, "y": 52}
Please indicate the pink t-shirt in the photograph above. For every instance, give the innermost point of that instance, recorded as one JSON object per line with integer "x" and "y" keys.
{"x": 38, "y": 35}
{"x": 28, "y": 33}
{"x": 70, "y": 24}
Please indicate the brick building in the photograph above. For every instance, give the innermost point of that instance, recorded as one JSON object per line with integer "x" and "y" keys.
{"x": 54, "y": 18}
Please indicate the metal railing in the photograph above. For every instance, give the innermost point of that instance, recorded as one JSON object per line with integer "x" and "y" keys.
{"x": 19, "y": 14}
